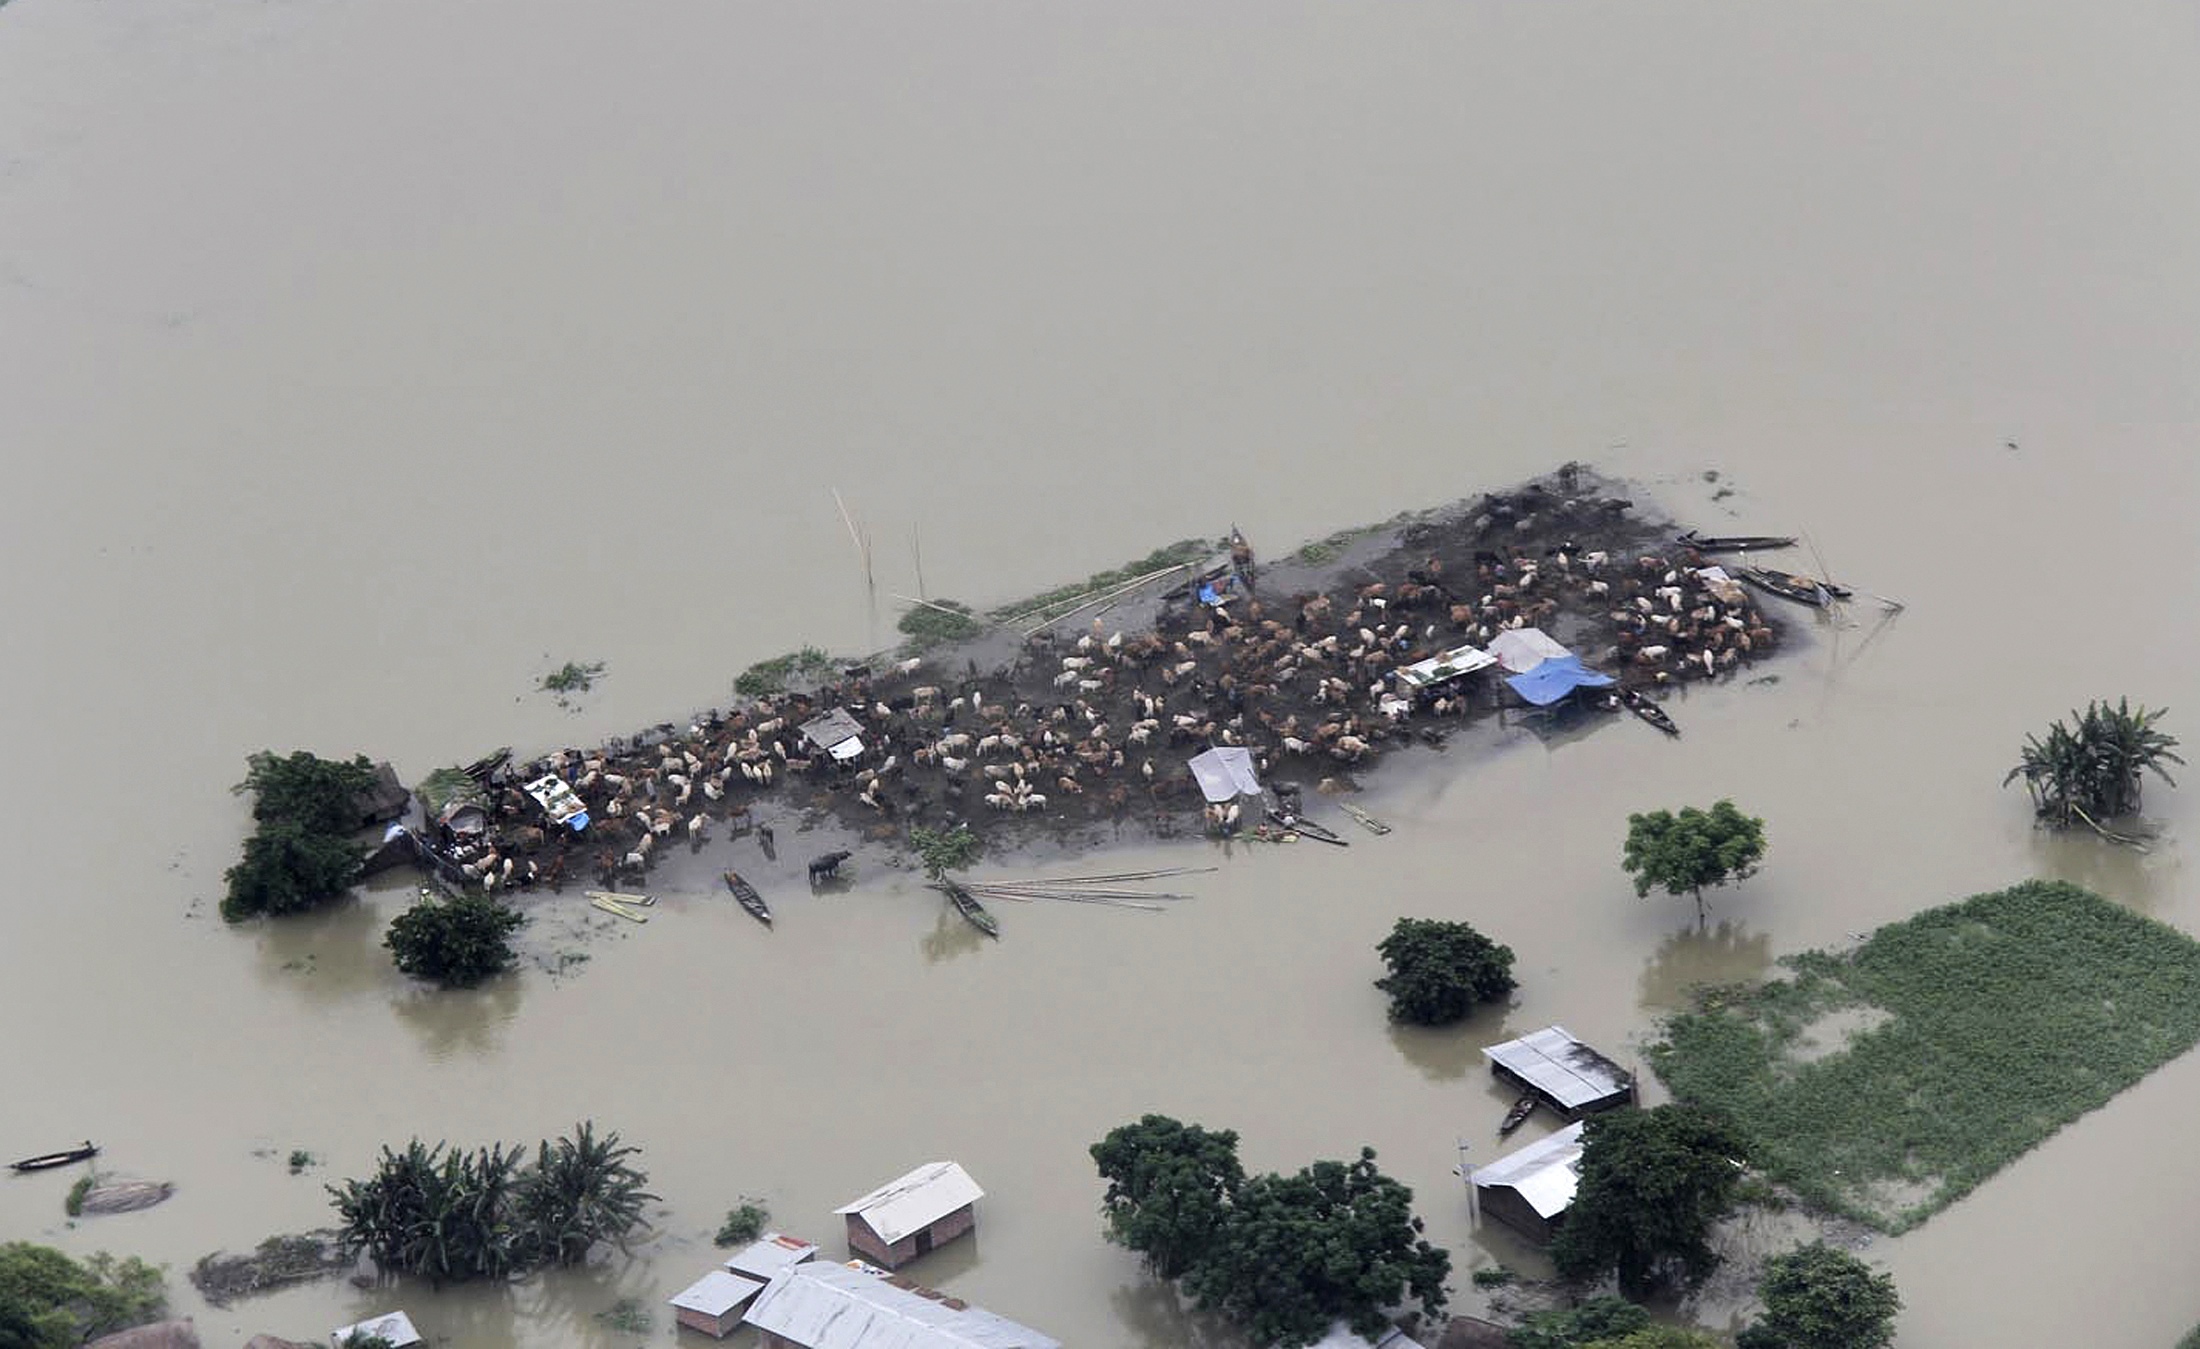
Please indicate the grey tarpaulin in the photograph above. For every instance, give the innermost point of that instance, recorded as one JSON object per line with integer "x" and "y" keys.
{"x": 1225, "y": 774}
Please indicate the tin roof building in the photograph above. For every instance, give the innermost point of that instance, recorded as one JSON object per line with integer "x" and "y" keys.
{"x": 1562, "y": 1072}
{"x": 913, "y": 1214}
{"x": 816, "y": 1305}
{"x": 1530, "y": 1188}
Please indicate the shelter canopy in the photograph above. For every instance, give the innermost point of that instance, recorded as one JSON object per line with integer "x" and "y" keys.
{"x": 1553, "y": 679}
{"x": 1225, "y": 773}
{"x": 1520, "y": 650}
{"x": 1460, "y": 660}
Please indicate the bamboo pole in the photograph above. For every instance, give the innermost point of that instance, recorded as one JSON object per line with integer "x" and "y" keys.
{"x": 1098, "y": 597}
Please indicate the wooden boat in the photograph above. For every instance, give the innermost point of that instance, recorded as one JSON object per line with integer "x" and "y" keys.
{"x": 47, "y": 1160}
{"x": 1733, "y": 543}
{"x": 1789, "y": 586}
{"x": 746, "y": 895}
{"x": 1367, "y": 821}
{"x": 1306, "y": 828}
{"x": 972, "y": 911}
{"x": 1641, "y": 705}
{"x": 1517, "y": 1116}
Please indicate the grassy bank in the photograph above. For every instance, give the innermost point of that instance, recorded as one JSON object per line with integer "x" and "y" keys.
{"x": 1889, "y": 1082}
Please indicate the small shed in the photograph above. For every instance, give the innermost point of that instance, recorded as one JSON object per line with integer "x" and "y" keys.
{"x": 1443, "y": 667}
{"x": 818, "y": 1305}
{"x": 763, "y": 1258}
{"x": 713, "y": 1303}
{"x": 396, "y": 1327}
{"x": 836, "y": 732}
{"x": 1561, "y": 1072}
{"x": 911, "y": 1215}
{"x": 384, "y": 800}
{"x": 1530, "y": 1188}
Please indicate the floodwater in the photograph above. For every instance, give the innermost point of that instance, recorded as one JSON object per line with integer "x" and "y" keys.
{"x": 366, "y": 361}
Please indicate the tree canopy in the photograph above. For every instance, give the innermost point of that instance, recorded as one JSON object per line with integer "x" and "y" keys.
{"x": 1170, "y": 1186}
{"x": 50, "y": 1301}
{"x": 1658, "y": 1337}
{"x": 1685, "y": 852}
{"x": 1818, "y": 1297}
{"x": 301, "y": 853}
{"x": 451, "y": 1215}
{"x": 2092, "y": 770}
{"x": 457, "y": 943}
{"x": 1652, "y": 1184}
{"x": 1440, "y": 970}
{"x": 1594, "y": 1320}
{"x": 1336, "y": 1241}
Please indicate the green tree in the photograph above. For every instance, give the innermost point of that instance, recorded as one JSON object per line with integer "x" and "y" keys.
{"x": 301, "y": 853}
{"x": 1683, "y": 853}
{"x": 49, "y": 1301}
{"x": 442, "y": 1213}
{"x": 1336, "y": 1241}
{"x": 457, "y": 943}
{"x": 1658, "y": 1337}
{"x": 1817, "y": 1297}
{"x": 943, "y": 850}
{"x": 1652, "y": 1184}
{"x": 1440, "y": 970}
{"x": 1170, "y": 1187}
{"x": 580, "y": 1192}
{"x": 2093, "y": 769}
{"x": 1590, "y": 1321}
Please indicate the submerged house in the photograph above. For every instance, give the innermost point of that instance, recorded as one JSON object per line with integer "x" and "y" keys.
{"x": 712, "y": 1304}
{"x": 395, "y": 1327}
{"x": 763, "y": 1258}
{"x": 911, "y": 1215}
{"x": 825, "y": 1306}
{"x": 1561, "y": 1072}
{"x": 1529, "y": 1189}
{"x": 837, "y": 733}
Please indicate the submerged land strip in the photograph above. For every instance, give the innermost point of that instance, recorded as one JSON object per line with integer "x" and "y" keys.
{"x": 1559, "y": 597}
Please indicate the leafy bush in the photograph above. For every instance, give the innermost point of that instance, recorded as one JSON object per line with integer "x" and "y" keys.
{"x": 944, "y": 850}
{"x": 455, "y": 942}
{"x": 743, "y": 1224}
{"x": 926, "y": 626}
{"x": 1597, "y": 1319}
{"x": 1440, "y": 970}
{"x": 1817, "y": 1297}
{"x": 49, "y": 1301}
{"x": 772, "y": 676}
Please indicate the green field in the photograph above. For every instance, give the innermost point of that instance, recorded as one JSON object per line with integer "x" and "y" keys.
{"x": 1888, "y": 1082}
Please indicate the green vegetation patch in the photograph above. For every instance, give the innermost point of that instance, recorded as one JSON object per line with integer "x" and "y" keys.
{"x": 940, "y": 621}
{"x": 1178, "y": 554}
{"x": 772, "y": 676}
{"x": 574, "y": 677}
{"x": 1328, "y": 549}
{"x": 1888, "y": 1083}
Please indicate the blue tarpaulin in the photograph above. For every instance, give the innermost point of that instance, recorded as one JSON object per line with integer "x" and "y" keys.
{"x": 1553, "y": 679}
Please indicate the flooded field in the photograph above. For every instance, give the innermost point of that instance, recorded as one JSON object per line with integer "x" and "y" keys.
{"x": 368, "y": 362}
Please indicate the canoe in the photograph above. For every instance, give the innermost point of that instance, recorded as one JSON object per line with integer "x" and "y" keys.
{"x": 1516, "y": 1116}
{"x": 1733, "y": 543}
{"x": 968, "y": 906}
{"x": 1789, "y": 586}
{"x": 1641, "y": 706}
{"x": 46, "y": 1160}
{"x": 749, "y": 899}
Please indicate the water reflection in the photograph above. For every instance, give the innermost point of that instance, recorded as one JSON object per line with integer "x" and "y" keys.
{"x": 327, "y": 952}
{"x": 1692, "y": 957}
{"x": 2111, "y": 870}
{"x": 950, "y": 937}
{"x": 1446, "y": 1053}
{"x": 452, "y": 1020}
{"x": 1158, "y": 1317}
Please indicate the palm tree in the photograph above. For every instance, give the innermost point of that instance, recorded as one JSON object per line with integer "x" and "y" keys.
{"x": 2094, "y": 772}
{"x": 579, "y": 1192}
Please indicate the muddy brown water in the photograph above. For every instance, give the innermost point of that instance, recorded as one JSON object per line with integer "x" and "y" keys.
{"x": 365, "y": 362}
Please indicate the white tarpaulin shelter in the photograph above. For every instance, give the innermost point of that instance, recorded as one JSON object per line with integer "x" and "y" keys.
{"x": 1520, "y": 650}
{"x": 1460, "y": 660}
{"x": 1226, "y": 773}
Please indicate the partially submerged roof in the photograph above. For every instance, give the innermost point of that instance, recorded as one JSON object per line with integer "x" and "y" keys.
{"x": 1225, "y": 773}
{"x": 827, "y": 1306}
{"x": 716, "y": 1293}
{"x": 1460, "y": 660}
{"x": 913, "y": 1202}
{"x": 769, "y": 1254}
{"x": 1553, "y": 679}
{"x": 1342, "y": 1336}
{"x": 1544, "y": 1172}
{"x": 555, "y": 795}
{"x": 837, "y": 732}
{"x": 396, "y": 1327}
{"x": 1520, "y": 650}
{"x": 1557, "y": 1065}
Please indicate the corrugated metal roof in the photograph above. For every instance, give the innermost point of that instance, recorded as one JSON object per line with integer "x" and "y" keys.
{"x": 1460, "y": 660}
{"x": 716, "y": 1293}
{"x": 915, "y": 1201}
{"x": 1561, "y": 1067}
{"x": 830, "y": 728}
{"x": 769, "y": 1254}
{"x": 1342, "y": 1336}
{"x": 1543, "y": 1171}
{"x": 826, "y": 1306}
